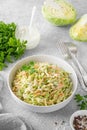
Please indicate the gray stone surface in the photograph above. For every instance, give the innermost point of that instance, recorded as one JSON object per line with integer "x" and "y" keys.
{"x": 19, "y": 11}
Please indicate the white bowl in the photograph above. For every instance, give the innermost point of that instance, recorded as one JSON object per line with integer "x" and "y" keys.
{"x": 77, "y": 113}
{"x": 49, "y": 59}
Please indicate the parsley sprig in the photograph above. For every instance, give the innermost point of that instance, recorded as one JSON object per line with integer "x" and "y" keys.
{"x": 82, "y": 101}
{"x": 10, "y": 47}
{"x": 29, "y": 67}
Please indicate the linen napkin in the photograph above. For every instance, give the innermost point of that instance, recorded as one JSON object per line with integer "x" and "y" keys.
{"x": 10, "y": 122}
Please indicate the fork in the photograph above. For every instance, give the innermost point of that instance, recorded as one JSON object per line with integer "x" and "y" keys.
{"x": 80, "y": 67}
{"x": 68, "y": 55}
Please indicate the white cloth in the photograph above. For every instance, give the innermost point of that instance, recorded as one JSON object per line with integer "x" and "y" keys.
{"x": 10, "y": 122}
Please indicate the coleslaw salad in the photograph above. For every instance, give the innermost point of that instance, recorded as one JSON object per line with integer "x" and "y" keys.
{"x": 42, "y": 84}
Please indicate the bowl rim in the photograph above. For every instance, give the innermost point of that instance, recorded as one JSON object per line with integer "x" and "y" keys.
{"x": 76, "y": 113}
{"x": 51, "y": 56}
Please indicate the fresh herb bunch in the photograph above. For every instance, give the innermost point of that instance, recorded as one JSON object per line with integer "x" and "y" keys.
{"x": 82, "y": 101}
{"x": 10, "y": 47}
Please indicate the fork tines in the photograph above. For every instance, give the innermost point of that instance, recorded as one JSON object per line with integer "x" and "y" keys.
{"x": 62, "y": 48}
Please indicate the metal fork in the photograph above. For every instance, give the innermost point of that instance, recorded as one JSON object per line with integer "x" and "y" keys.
{"x": 80, "y": 67}
{"x": 68, "y": 55}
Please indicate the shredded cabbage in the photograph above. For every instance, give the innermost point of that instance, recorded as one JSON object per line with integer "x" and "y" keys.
{"x": 42, "y": 84}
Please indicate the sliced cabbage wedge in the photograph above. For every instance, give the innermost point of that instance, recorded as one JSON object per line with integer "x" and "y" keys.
{"x": 79, "y": 30}
{"x": 59, "y": 12}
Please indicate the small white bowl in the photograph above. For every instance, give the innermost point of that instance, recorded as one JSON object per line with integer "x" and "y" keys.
{"x": 75, "y": 114}
{"x": 32, "y": 35}
{"x": 51, "y": 60}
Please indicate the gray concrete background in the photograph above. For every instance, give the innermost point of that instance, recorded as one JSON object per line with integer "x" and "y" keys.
{"x": 19, "y": 11}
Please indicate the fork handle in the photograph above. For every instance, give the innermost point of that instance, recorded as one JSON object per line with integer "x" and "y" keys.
{"x": 80, "y": 67}
{"x": 79, "y": 76}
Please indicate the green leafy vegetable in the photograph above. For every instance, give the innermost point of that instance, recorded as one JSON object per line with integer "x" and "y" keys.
{"x": 10, "y": 47}
{"x": 29, "y": 67}
{"x": 79, "y": 30}
{"x": 59, "y": 12}
{"x": 82, "y": 101}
